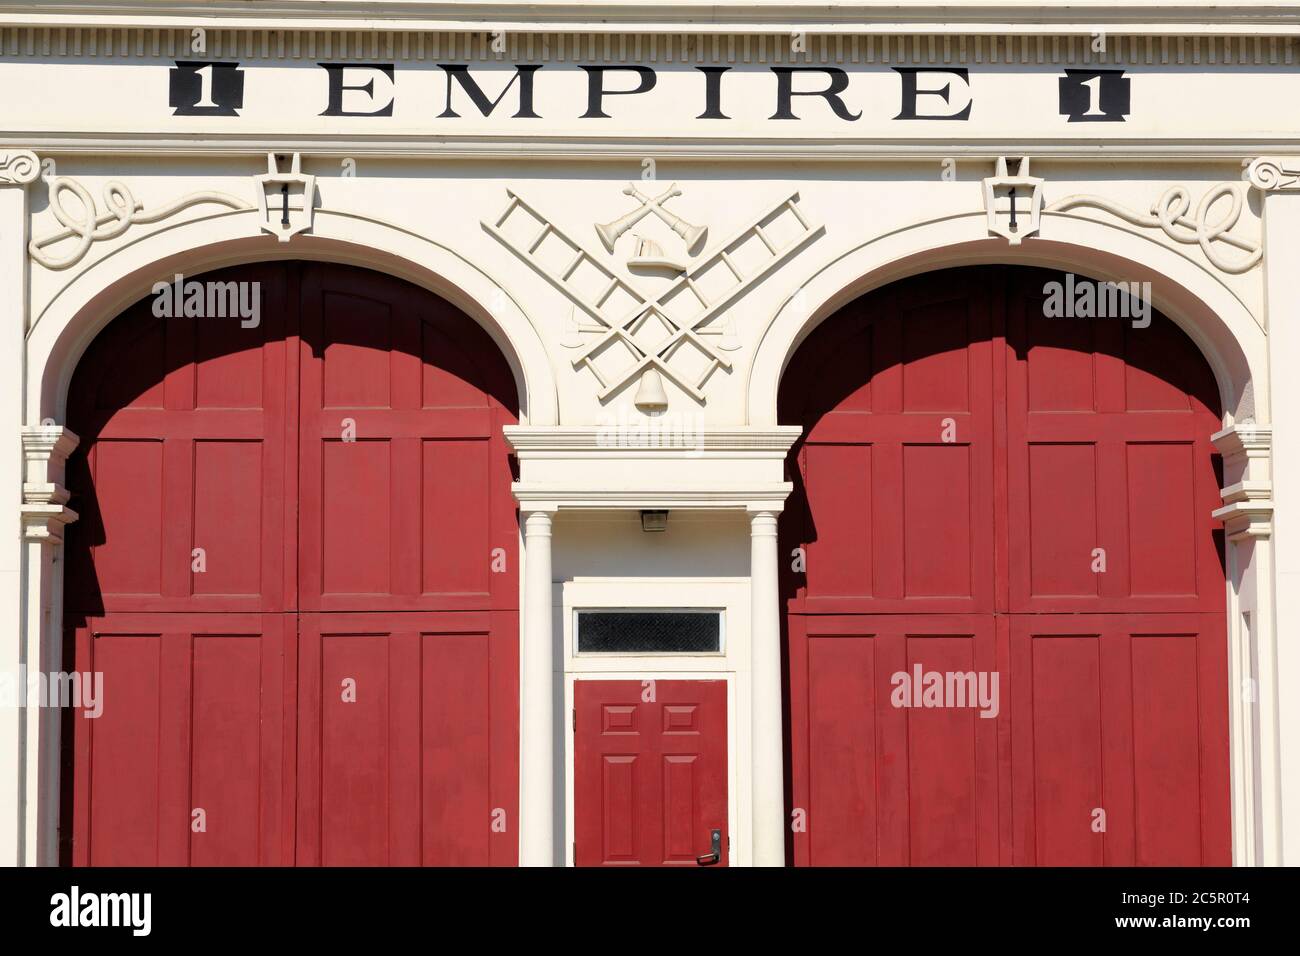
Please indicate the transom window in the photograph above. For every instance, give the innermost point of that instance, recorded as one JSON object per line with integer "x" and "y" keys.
{"x": 657, "y": 631}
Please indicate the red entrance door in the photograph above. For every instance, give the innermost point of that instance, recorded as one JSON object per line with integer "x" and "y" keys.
{"x": 295, "y": 570}
{"x": 982, "y": 491}
{"x": 650, "y": 773}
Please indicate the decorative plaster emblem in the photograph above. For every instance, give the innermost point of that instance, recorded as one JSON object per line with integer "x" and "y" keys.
{"x": 648, "y": 255}
{"x": 18, "y": 168}
{"x": 88, "y": 225}
{"x": 623, "y": 314}
{"x": 1169, "y": 213}
{"x": 1270, "y": 173}
{"x": 287, "y": 201}
{"x": 1023, "y": 195}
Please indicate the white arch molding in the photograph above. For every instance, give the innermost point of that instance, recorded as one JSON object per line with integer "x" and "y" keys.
{"x": 1221, "y": 325}
{"x": 62, "y": 331}
{"x": 1234, "y": 343}
{"x": 64, "y": 328}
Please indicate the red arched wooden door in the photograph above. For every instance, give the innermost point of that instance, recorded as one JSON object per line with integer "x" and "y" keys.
{"x": 295, "y": 570}
{"x": 984, "y": 491}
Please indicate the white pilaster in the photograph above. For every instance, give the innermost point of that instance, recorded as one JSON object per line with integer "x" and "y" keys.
{"x": 765, "y": 661}
{"x": 1253, "y": 691}
{"x": 537, "y": 689}
{"x": 44, "y": 515}
{"x": 1279, "y": 180}
{"x": 17, "y": 169}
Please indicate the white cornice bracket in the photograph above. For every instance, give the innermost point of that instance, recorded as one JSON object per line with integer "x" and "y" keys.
{"x": 1275, "y": 173}
{"x": 18, "y": 167}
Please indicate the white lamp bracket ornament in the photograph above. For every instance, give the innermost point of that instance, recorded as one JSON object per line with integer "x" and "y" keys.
{"x": 286, "y": 200}
{"x": 1013, "y": 204}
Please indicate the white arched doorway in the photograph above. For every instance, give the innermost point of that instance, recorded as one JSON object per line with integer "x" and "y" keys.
{"x": 1214, "y": 315}
{"x": 295, "y": 573}
{"x": 63, "y": 329}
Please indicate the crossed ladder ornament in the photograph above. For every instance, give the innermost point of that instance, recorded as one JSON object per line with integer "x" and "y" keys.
{"x": 624, "y": 327}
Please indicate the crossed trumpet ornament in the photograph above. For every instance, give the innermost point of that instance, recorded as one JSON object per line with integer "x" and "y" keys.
{"x": 693, "y": 236}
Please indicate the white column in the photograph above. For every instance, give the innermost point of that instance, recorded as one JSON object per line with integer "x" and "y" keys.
{"x": 1279, "y": 181}
{"x": 537, "y": 689}
{"x": 765, "y": 662}
{"x": 17, "y": 169}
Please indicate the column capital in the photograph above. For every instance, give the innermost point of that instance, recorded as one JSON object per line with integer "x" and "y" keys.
{"x": 1247, "y": 493}
{"x": 18, "y": 167}
{"x": 763, "y": 522}
{"x": 48, "y": 442}
{"x": 537, "y": 521}
{"x": 1275, "y": 174}
{"x": 44, "y": 508}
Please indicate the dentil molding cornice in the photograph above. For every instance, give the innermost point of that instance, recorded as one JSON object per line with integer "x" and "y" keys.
{"x": 1008, "y": 17}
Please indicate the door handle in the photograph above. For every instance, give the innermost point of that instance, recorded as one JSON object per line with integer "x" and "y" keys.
{"x": 715, "y": 850}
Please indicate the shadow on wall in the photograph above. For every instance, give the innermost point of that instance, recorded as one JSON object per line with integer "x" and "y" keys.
{"x": 914, "y": 333}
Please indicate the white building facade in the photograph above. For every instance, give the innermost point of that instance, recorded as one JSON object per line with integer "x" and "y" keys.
{"x": 646, "y": 210}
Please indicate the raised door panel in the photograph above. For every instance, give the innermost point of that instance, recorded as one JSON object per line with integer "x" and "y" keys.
{"x": 186, "y": 758}
{"x": 1111, "y": 473}
{"x": 900, "y": 735}
{"x": 1120, "y": 740}
{"x": 186, "y": 441}
{"x": 404, "y": 470}
{"x": 407, "y": 740}
{"x": 894, "y": 477}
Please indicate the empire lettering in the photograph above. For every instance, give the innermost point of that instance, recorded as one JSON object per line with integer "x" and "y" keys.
{"x": 933, "y": 93}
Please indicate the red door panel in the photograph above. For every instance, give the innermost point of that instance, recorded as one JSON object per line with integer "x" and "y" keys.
{"x": 896, "y": 396}
{"x": 881, "y": 778}
{"x": 186, "y": 762}
{"x": 405, "y": 755}
{"x": 183, "y": 425}
{"x": 1125, "y": 714}
{"x": 650, "y": 776}
{"x": 1109, "y": 458}
{"x": 406, "y": 516}
{"x": 198, "y": 433}
{"x": 1076, "y": 498}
